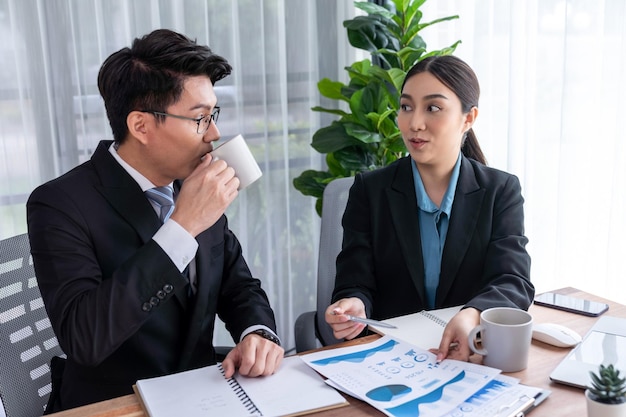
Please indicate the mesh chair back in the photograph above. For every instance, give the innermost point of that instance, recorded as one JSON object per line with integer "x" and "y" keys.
{"x": 27, "y": 341}
{"x": 331, "y": 237}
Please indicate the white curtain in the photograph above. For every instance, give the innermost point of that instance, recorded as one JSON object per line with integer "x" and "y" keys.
{"x": 552, "y": 74}
{"x": 553, "y": 81}
{"x": 52, "y": 117}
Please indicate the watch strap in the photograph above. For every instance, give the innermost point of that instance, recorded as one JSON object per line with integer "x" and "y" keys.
{"x": 267, "y": 335}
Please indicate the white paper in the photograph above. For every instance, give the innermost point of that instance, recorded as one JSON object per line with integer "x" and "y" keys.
{"x": 295, "y": 388}
{"x": 501, "y": 397}
{"x": 398, "y": 378}
{"x": 423, "y": 329}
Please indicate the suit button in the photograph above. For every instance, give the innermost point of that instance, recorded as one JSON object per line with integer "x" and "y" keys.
{"x": 168, "y": 288}
{"x": 146, "y": 307}
{"x": 154, "y": 301}
{"x": 161, "y": 294}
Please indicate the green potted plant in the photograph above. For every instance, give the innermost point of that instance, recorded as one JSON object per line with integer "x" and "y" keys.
{"x": 366, "y": 135}
{"x": 606, "y": 396}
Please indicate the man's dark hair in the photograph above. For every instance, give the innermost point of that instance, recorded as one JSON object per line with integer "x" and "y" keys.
{"x": 151, "y": 75}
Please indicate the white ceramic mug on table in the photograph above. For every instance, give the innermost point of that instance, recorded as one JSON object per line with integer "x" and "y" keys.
{"x": 505, "y": 336}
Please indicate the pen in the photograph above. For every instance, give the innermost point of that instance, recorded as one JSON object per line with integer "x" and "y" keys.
{"x": 370, "y": 321}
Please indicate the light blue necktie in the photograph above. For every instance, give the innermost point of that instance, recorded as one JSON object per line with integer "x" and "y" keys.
{"x": 163, "y": 198}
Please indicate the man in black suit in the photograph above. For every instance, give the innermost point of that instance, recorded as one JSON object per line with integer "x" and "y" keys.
{"x": 131, "y": 295}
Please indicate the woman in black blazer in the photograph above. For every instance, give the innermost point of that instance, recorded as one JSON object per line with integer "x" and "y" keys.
{"x": 437, "y": 228}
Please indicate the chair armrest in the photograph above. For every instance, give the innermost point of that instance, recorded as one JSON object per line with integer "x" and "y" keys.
{"x": 304, "y": 330}
{"x": 221, "y": 352}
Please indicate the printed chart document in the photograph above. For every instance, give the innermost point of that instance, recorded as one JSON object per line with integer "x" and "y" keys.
{"x": 294, "y": 390}
{"x": 503, "y": 396}
{"x": 401, "y": 379}
{"x": 423, "y": 329}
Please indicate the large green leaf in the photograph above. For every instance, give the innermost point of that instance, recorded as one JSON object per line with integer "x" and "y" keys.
{"x": 395, "y": 144}
{"x": 380, "y": 74}
{"x": 442, "y": 19}
{"x": 363, "y": 135}
{"x": 312, "y": 182}
{"x": 363, "y": 102}
{"x": 413, "y": 14}
{"x": 444, "y": 51}
{"x": 356, "y": 159}
{"x": 397, "y": 76}
{"x": 338, "y": 112}
{"x": 331, "y": 138}
{"x": 364, "y": 31}
{"x": 371, "y": 9}
{"x": 388, "y": 84}
{"x": 414, "y": 41}
{"x": 405, "y": 5}
{"x": 370, "y": 33}
{"x": 379, "y": 120}
{"x": 359, "y": 71}
{"x": 410, "y": 56}
{"x": 386, "y": 122}
{"x": 335, "y": 168}
{"x": 331, "y": 89}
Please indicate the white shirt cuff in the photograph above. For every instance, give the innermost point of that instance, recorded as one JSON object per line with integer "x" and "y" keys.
{"x": 179, "y": 245}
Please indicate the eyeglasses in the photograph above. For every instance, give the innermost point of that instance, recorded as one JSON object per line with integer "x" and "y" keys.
{"x": 203, "y": 122}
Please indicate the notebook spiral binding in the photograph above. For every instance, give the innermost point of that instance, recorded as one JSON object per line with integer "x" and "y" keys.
{"x": 434, "y": 318}
{"x": 241, "y": 394}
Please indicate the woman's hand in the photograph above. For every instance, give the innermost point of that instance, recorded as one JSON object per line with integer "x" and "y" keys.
{"x": 342, "y": 327}
{"x": 454, "y": 343}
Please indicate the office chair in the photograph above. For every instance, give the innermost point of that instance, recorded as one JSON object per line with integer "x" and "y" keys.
{"x": 27, "y": 341}
{"x": 311, "y": 330}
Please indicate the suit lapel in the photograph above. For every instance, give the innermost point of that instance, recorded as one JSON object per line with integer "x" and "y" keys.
{"x": 404, "y": 215}
{"x": 465, "y": 211}
{"x": 125, "y": 196}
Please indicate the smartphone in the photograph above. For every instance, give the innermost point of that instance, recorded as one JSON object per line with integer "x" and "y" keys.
{"x": 571, "y": 304}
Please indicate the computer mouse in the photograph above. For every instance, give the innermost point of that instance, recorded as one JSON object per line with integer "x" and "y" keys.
{"x": 555, "y": 334}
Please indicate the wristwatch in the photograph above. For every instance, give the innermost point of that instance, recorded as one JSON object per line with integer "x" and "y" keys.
{"x": 267, "y": 335}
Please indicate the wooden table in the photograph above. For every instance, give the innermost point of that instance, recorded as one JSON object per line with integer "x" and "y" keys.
{"x": 564, "y": 400}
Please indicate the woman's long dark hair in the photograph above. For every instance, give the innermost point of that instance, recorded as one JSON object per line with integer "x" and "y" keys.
{"x": 455, "y": 74}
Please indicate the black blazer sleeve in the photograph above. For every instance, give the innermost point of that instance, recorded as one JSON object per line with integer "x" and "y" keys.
{"x": 94, "y": 272}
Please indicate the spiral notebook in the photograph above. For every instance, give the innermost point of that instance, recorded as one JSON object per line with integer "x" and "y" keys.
{"x": 294, "y": 390}
{"x": 423, "y": 329}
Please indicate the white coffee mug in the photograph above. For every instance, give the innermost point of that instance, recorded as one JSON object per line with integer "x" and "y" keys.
{"x": 237, "y": 155}
{"x": 505, "y": 335}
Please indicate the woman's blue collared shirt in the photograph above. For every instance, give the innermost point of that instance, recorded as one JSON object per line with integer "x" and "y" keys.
{"x": 433, "y": 223}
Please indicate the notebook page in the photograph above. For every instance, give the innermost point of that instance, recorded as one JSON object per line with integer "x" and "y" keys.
{"x": 294, "y": 390}
{"x": 195, "y": 393}
{"x": 422, "y": 329}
